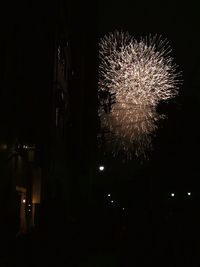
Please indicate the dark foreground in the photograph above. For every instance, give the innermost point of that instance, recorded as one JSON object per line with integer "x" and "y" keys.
{"x": 171, "y": 239}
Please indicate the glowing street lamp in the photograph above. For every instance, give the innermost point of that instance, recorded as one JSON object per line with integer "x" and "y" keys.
{"x": 101, "y": 168}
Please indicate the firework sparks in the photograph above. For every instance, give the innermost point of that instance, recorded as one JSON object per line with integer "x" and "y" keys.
{"x": 139, "y": 74}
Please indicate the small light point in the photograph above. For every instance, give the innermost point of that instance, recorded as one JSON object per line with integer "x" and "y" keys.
{"x": 101, "y": 168}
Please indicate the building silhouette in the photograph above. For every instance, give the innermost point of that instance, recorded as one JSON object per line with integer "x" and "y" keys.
{"x": 48, "y": 115}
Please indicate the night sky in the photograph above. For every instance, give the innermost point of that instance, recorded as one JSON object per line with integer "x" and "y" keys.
{"x": 174, "y": 161}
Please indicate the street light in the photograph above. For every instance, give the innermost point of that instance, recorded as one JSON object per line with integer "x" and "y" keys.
{"x": 101, "y": 168}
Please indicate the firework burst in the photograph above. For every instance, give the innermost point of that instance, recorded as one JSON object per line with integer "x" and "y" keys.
{"x": 139, "y": 74}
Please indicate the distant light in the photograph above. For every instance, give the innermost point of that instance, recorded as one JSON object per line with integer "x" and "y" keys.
{"x": 29, "y": 205}
{"x": 172, "y": 194}
{"x": 24, "y": 200}
{"x": 123, "y": 208}
{"x": 109, "y": 195}
{"x": 112, "y": 201}
{"x": 29, "y": 210}
{"x": 101, "y": 168}
{"x": 189, "y": 193}
{"x": 3, "y": 146}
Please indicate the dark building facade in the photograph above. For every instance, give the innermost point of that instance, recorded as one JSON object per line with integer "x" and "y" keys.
{"x": 48, "y": 114}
